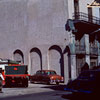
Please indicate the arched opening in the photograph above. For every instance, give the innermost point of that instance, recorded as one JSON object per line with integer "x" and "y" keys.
{"x": 18, "y": 56}
{"x": 56, "y": 61}
{"x": 67, "y": 51}
{"x": 35, "y": 60}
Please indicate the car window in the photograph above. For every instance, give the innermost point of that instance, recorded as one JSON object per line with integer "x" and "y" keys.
{"x": 42, "y": 72}
{"x": 38, "y": 72}
{"x": 53, "y": 73}
{"x": 88, "y": 75}
{"x": 47, "y": 73}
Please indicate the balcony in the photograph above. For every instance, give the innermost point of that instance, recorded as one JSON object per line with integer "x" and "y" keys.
{"x": 93, "y": 50}
{"x": 80, "y": 49}
{"x": 86, "y": 17}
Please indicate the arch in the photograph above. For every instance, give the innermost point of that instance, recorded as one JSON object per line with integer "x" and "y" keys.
{"x": 56, "y": 47}
{"x": 35, "y": 60}
{"x": 56, "y": 60}
{"x": 18, "y": 56}
{"x": 67, "y": 51}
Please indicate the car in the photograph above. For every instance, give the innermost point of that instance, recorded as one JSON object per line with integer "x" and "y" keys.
{"x": 88, "y": 82}
{"x": 46, "y": 76}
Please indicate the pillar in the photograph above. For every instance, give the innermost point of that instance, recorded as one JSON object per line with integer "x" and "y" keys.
{"x": 98, "y": 44}
{"x": 73, "y": 66}
{"x": 87, "y": 47}
{"x": 73, "y": 57}
{"x": 66, "y": 69}
{"x": 45, "y": 59}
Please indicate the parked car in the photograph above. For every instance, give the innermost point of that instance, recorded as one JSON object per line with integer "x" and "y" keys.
{"x": 46, "y": 76}
{"x": 88, "y": 82}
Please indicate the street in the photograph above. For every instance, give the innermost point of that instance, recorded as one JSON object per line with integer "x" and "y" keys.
{"x": 34, "y": 92}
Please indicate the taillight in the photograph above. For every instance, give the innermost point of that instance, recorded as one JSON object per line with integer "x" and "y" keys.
{"x": 62, "y": 78}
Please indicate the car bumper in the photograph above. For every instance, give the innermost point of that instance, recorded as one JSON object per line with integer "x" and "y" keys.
{"x": 59, "y": 81}
{"x": 78, "y": 91}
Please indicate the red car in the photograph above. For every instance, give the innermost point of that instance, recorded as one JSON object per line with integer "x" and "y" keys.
{"x": 46, "y": 76}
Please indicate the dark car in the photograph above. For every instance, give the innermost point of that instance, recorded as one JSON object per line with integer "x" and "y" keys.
{"x": 88, "y": 82}
{"x": 46, "y": 76}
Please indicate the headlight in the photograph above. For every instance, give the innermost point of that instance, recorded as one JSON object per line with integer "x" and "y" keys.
{"x": 51, "y": 78}
{"x": 62, "y": 78}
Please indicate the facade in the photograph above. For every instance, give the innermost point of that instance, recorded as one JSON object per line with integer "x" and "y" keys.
{"x": 33, "y": 32}
{"x": 84, "y": 28}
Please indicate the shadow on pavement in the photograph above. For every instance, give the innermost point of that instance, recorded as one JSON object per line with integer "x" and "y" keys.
{"x": 80, "y": 97}
{"x": 14, "y": 86}
{"x": 56, "y": 87}
{"x": 71, "y": 96}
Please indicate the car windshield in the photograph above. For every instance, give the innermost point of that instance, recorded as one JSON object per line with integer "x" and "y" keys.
{"x": 88, "y": 75}
{"x": 45, "y": 72}
{"x": 39, "y": 72}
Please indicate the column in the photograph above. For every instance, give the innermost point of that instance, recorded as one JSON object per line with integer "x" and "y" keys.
{"x": 87, "y": 57}
{"x": 66, "y": 68}
{"x": 98, "y": 45}
{"x": 44, "y": 59}
{"x": 73, "y": 57}
{"x": 73, "y": 67}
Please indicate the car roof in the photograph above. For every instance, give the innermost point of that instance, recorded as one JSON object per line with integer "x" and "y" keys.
{"x": 91, "y": 70}
{"x": 47, "y": 70}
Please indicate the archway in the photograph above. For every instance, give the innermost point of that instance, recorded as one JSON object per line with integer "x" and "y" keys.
{"x": 35, "y": 60}
{"x": 68, "y": 60}
{"x": 18, "y": 56}
{"x": 56, "y": 59}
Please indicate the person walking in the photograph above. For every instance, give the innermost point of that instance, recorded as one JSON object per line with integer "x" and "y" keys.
{"x": 1, "y": 79}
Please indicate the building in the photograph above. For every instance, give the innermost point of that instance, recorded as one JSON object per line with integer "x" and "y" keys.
{"x": 84, "y": 28}
{"x": 33, "y": 32}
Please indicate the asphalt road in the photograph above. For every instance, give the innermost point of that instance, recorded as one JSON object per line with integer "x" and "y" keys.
{"x": 41, "y": 92}
{"x": 54, "y": 95}
{"x": 34, "y": 92}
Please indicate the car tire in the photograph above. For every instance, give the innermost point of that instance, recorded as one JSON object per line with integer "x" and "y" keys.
{"x": 57, "y": 83}
{"x": 32, "y": 81}
{"x": 25, "y": 83}
{"x": 48, "y": 83}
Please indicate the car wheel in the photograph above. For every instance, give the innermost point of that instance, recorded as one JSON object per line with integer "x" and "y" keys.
{"x": 48, "y": 83}
{"x": 31, "y": 81}
{"x": 57, "y": 83}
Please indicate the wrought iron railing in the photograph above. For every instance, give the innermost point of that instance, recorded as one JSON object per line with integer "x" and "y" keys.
{"x": 94, "y": 50}
{"x": 80, "y": 49}
{"x": 86, "y": 17}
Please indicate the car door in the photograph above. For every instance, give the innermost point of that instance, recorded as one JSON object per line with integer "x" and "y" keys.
{"x": 39, "y": 76}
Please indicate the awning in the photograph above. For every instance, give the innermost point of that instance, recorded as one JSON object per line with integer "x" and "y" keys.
{"x": 80, "y": 27}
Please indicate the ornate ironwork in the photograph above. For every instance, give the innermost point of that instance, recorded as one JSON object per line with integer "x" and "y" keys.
{"x": 80, "y": 49}
{"x": 86, "y": 17}
{"x": 94, "y": 50}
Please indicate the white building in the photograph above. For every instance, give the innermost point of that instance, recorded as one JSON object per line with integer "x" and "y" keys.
{"x": 84, "y": 29}
{"x": 33, "y": 32}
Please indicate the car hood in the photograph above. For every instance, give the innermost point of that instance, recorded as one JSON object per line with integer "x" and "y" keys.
{"x": 79, "y": 84}
{"x": 55, "y": 76}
